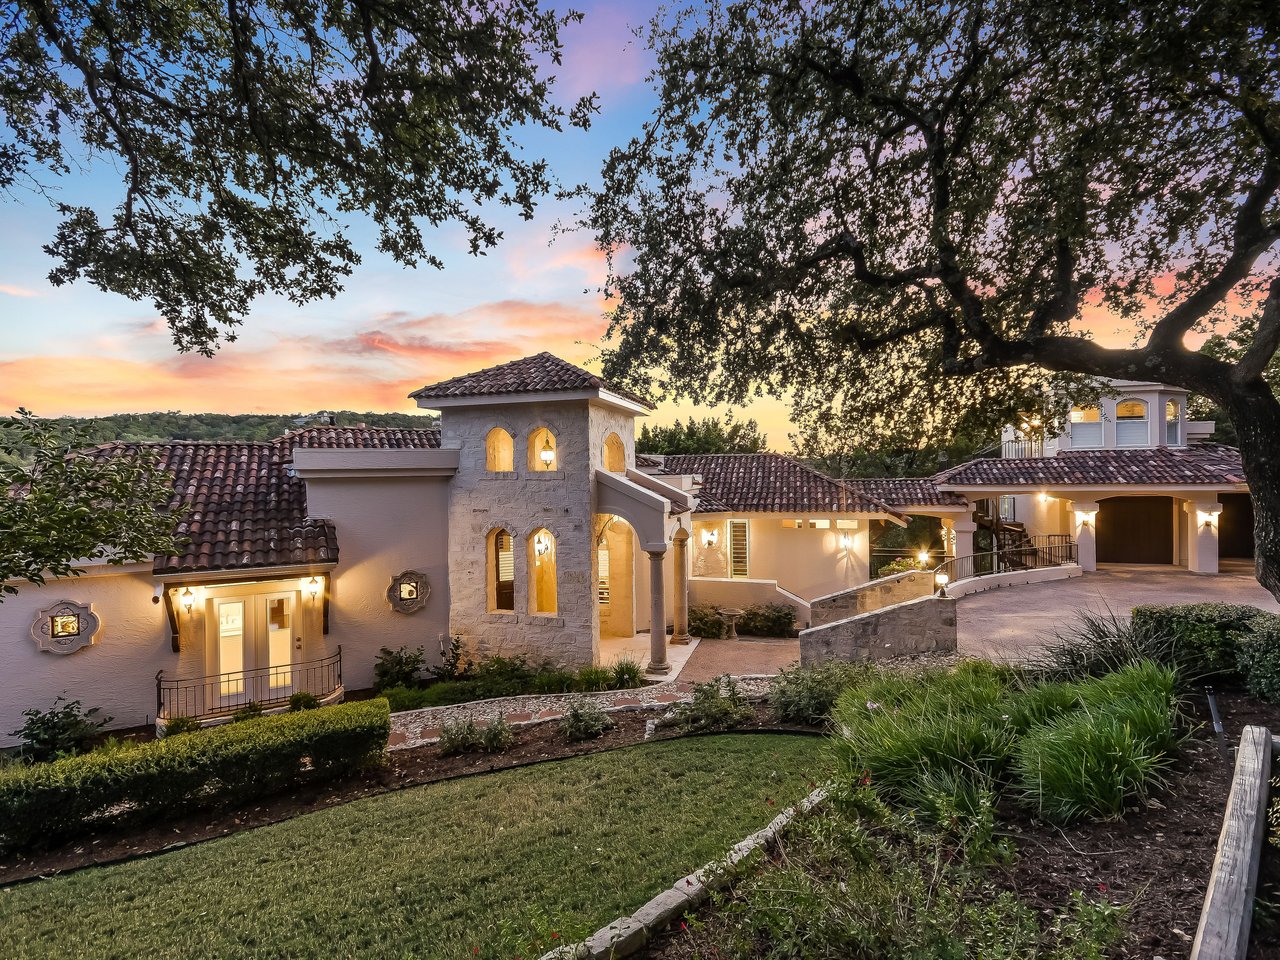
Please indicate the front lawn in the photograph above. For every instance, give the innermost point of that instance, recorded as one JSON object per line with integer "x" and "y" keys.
{"x": 490, "y": 866}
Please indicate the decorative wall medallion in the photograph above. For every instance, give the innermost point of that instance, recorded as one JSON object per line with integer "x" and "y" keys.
{"x": 408, "y": 592}
{"x": 65, "y": 627}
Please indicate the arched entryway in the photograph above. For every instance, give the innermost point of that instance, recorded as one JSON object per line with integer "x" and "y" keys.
{"x": 615, "y": 578}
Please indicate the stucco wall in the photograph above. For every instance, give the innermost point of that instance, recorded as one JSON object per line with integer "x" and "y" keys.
{"x": 743, "y": 593}
{"x": 807, "y": 562}
{"x": 117, "y": 673}
{"x": 884, "y": 592}
{"x": 918, "y": 626}
{"x": 523, "y": 502}
{"x": 386, "y": 525}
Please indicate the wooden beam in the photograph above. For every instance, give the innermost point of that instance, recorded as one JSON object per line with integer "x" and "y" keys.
{"x": 1228, "y": 904}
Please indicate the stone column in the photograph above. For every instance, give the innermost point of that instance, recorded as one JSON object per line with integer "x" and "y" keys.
{"x": 948, "y": 538}
{"x": 681, "y": 633}
{"x": 657, "y": 615}
{"x": 1202, "y": 535}
{"x": 1084, "y": 523}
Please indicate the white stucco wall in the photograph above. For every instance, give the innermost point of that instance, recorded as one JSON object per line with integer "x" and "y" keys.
{"x": 386, "y": 525}
{"x": 117, "y": 673}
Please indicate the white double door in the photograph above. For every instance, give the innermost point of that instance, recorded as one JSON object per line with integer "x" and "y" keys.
{"x": 256, "y": 637}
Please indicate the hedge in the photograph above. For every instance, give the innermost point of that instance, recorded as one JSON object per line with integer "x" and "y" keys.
{"x": 1207, "y": 633}
{"x": 219, "y": 767}
{"x": 758, "y": 620}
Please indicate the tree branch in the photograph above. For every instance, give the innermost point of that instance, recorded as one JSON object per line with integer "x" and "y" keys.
{"x": 1265, "y": 342}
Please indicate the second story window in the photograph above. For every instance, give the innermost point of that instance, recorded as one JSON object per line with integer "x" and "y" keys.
{"x": 542, "y": 451}
{"x": 1131, "y": 424}
{"x": 1173, "y": 423}
{"x": 499, "y": 451}
{"x": 1086, "y": 428}
{"x": 615, "y": 454}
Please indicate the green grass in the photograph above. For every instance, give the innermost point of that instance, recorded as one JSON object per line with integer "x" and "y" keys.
{"x": 494, "y": 863}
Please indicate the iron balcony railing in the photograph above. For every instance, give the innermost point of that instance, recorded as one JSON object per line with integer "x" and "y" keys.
{"x": 1022, "y": 449}
{"x": 221, "y": 694}
{"x": 1044, "y": 550}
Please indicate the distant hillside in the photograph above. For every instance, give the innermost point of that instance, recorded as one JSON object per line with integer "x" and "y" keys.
{"x": 213, "y": 426}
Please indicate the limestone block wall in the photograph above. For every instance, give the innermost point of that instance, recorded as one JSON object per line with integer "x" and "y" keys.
{"x": 522, "y": 502}
{"x": 924, "y": 625}
{"x": 884, "y": 592}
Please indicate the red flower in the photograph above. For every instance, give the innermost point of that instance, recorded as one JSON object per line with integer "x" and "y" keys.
{"x": 1102, "y": 887}
{"x": 554, "y": 935}
{"x": 769, "y": 802}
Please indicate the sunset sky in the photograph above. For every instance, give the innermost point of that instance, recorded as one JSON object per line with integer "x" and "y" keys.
{"x": 75, "y": 350}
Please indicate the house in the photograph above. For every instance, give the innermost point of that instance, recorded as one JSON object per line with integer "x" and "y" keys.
{"x": 526, "y": 524}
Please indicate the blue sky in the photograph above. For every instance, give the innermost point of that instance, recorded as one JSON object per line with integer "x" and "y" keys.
{"x": 75, "y": 350}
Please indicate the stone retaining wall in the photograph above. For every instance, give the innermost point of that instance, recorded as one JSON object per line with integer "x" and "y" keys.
{"x": 923, "y": 625}
{"x": 885, "y": 592}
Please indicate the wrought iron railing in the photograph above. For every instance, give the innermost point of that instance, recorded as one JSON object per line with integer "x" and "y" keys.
{"x": 221, "y": 694}
{"x": 1043, "y": 550}
{"x": 1022, "y": 449}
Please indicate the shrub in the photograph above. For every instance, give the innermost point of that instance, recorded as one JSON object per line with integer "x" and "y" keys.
{"x": 1205, "y": 634}
{"x": 585, "y": 721}
{"x": 453, "y": 665}
{"x": 224, "y": 766}
{"x": 397, "y": 668}
{"x": 807, "y": 695}
{"x": 65, "y": 729}
{"x": 250, "y": 711}
{"x": 627, "y": 674}
{"x": 497, "y": 736}
{"x": 768, "y": 620}
{"x": 176, "y": 725}
{"x": 591, "y": 679}
{"x": 550, "y": 680}
{"x": 716, "y": 705}
{"x": 899, "y": 565}
{"x": 705, "y": 622}
{"x": 459, "y": 736}
{"x": 303, "y": 701}
{"x": 1258, "y": 658}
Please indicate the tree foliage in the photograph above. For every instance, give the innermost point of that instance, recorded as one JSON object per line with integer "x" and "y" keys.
{"x": 63, "y": 505}
{"x": 901, "y": 211}
{"x": 248, "y": 132}
{"x": 702, "y": 435}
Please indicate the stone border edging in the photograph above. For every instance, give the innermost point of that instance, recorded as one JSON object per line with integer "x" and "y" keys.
{"x": 625, "y": 935}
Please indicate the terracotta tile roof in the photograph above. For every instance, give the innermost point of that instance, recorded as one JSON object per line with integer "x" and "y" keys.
{"x": 646, "y": 461}
{"x": 541, "y": 373}
{"x": 768, "y": 483}
{"x": 1208, "y": 463}
{"x": 904, "y": 492}
{"x": 246, "y": 508}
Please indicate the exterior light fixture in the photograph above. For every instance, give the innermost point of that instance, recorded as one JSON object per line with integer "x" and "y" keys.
{"x": 1044, "y": 498}
{"x": 846, "y": 541}
{"x": 940, "y": 580}
{"x": 313, "y": 587}
{"x": 710, "y": 537}
{"x": 1085, "y": 517}
{"x": 541, "y": 545}
{"x": 188, "y": 600}
{"x": 1207, "y": 518}
{"x": 547, "y": 454}
{"x": 922, "y": 557}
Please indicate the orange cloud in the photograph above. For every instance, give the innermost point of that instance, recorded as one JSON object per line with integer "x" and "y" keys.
{"x": 14, "y": 290}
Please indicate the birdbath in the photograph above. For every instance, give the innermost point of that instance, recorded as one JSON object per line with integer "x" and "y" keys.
{"x": 731, "y": 615}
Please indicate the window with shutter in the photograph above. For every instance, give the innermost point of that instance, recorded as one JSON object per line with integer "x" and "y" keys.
{"x": 738, "y": 549}
{"x": 602, "y": 583}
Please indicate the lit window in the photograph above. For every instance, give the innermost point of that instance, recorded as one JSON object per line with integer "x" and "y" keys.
{"x": 602, "y": 576}
{"x": 1086, "y": 415}
{"x": 738, "y": 548}
{"x": 1173, "y": 423}
{"x": 1131, "y": 424}
{"x": 542, "y": 450}
{"x": 502, "y": 572}
{"x": 499, "y": 451}
{"x": 615, "y": 454}
{"x": 542, "y": 572}
{"x": 1086, "y": 427}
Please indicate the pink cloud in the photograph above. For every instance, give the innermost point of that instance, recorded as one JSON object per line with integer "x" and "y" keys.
{"x": 13, "y": 290}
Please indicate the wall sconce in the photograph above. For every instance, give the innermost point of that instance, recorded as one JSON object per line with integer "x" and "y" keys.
{"x": 922, "y": 557}
{"x": 710, "y": 537}
{"x": 1207, "y": 518}
{"x": 188, "y": 599}
{"x": 846, "y": 541}
{"x": 1086, "y": 517}
{"x": 547, "y": 455}
{"x": 541, "y": 545}
{"x": 313, "y": 587}
{"x": 1044, "y": 498}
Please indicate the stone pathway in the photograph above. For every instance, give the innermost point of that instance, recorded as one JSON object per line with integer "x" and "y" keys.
{"x": 416, "y": 728}
{"x": 715, "y": 658}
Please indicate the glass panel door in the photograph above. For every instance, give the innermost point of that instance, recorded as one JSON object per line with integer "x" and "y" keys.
{"x": 277, "y": 624}
{"x": 232, "y": 632}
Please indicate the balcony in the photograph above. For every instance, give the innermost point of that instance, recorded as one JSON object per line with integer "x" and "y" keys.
{"x": 222, "y": 694}
{"x": 1022, "y": 449}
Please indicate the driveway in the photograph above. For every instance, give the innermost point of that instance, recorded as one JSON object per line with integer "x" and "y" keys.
{"x": 1012, "y": 622}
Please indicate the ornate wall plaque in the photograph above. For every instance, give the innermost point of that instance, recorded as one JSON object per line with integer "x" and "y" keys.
{"x": 65, "y": 627}
{"x": 408, "y": 592}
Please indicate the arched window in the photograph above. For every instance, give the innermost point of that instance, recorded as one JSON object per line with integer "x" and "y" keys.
{"x": 501, "y": 572}
{"x": 1131, "y": 424}
{"x": 615, "y": 454}
{"x": 1173, "y": 423}
{"x": 499, "y": 451}
{"x": 542, "y": 572}
{"x": 542, "y": 450}
{"x": 1086, "y": 427}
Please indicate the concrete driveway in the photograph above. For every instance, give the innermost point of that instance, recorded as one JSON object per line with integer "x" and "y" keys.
{"x": 1012, "y": 622}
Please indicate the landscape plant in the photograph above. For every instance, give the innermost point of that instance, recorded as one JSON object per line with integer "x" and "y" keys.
{"x": 714, "y": 705}
{"x": 249, "y": 711}
{"x": 65, "y": 729}
{"x": 808, "y": 694}
{"x": 302, "y": 700}
{"x": 397, "y": 668}
{"x": 178, "y": 725}
{"x": 586, "y": 720}
{"x": 1258, "y": 658}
